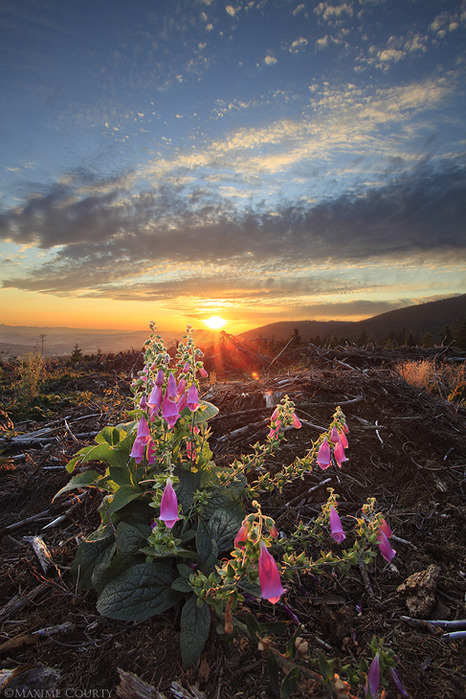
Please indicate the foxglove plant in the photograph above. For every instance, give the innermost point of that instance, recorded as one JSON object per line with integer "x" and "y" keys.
{"x": 161, "y": 460}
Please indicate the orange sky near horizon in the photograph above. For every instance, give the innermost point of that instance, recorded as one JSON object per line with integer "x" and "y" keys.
{"x": 27, "y": 308}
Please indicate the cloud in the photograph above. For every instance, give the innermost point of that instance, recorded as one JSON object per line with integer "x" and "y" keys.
{"x": 270, "y": 60}
{"x": 298, "y": 45}
{"x": 151, "y": 244}
{"x": 333, "y": 12}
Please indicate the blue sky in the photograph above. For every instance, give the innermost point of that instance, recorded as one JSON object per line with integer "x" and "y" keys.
{"x": 261, "y": 160}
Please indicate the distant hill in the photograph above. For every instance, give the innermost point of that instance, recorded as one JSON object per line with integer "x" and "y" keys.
{"x": 426, "y": 317}
{"x": 16, "y": 341}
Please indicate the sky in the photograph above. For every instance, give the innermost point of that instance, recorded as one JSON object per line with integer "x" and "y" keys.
{"x": 262, "y": 160}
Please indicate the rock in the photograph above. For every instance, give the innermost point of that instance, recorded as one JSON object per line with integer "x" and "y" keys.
{"x": 420, "y": 589}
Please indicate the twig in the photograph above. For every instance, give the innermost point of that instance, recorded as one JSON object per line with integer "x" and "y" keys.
{"x": 19, "y": 601}
{"x": 24, "y": 522}
{"x": 30, "y": 638}
{"x": 68, "y": 429}
{"x": 280, "y": 353}
{"x": 365, "y": 577}
{"x": 297, "y": 499}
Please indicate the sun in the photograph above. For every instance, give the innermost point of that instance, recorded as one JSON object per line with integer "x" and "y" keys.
{"x": 215, "y": 322}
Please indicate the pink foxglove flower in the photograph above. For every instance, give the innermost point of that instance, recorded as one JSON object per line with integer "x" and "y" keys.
{"x": 334, "y": 435}
{"x": 170, "y": 411}
{"x": 384, "y": 546}
{"x": 274, "y": 415}
{"x": 373, "y": 679}
{"x": 143, "y": 438}
{"x": 296, "y": 422}
{"x": 343, "y": 439}
{"x": 339, "y": 453}
{"x": 137, "y": 452}
{"x": 203, "y": 372}
{"x": 323, "y": 455}
{"x": 182, "y": 402}
{"x": 269, "y": 577}
{"x": 242, "y": 535}
{"x": 160, "y": 378}
{"x": 155, "y": 399}
{"x": 143, "y": 433}
{"x": 186, "y": 367}
{"x": 143, "y": 402}
{"x": 336, "y": 530}
{"x": 181, "y": 387}
{"x": 396, "y": 679}
{"x": 170, "y": 391}
{"x": 193, "y": 398}
{"x": 169, "y": 505}
{"x": 385, "y": 529}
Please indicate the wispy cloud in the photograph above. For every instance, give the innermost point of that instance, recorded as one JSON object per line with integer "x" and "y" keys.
{"x": 117, "y": 245}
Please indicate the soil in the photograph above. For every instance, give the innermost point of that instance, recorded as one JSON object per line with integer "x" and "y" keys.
{"x": 406, "y": 449}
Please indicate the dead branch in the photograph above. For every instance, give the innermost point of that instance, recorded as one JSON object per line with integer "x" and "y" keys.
{"x": 40, "y": 549}
{"x": 19, "y": 601}
{"x": 280, "y": 353}
{"x": 31, "y": 638}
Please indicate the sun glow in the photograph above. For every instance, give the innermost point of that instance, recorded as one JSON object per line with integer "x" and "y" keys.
{"x": 215, "y": 322}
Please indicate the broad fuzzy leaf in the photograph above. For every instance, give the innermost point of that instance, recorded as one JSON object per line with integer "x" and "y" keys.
{"x": 85, "y": 479}
{"x": 195, "y": 627}
{"x": 97, "y": 549}
{"x": 140, "y": 592}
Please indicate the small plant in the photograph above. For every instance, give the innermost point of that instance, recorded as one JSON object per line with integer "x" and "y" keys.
{"x": 32, "y": 373}
{"x": 446, "y": 379}
{"x": 176, "y": 529}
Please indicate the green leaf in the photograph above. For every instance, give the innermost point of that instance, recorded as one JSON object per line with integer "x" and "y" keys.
{"x": 116, "y": 456}
{"x": 120, "y": 475}
{"x": 195, "y": 627}
{"x": 98, "y": 548}
{"x": 189, "y": 483}
{"x": 206, "y": 547}
{"x": 128, "y": 542}
{"x": 182, "y": 585}
{"x": 223, "y": 526}
{"x": 290, "y": 683}
{"x": 140, "y": 592}
{"x": 124, "y": 495}
{"x": 110, "y": 435}
{"x": 272, "y": 671}
{"x": 184, "y": 570}
{"x": 222, "y": 500}
{"x": 253, "y": 627}
{"x": 85, "y": 479}
{"x": 206, "y": 411}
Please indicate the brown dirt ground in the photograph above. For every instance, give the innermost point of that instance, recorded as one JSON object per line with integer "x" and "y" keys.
{"x": 407, "y": 449}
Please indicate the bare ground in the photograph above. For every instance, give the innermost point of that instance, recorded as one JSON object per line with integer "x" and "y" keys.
{"x": 407, "y": 449}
